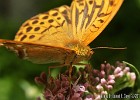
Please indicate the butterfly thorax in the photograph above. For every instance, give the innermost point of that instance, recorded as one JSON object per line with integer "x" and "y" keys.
{"x": 81, "y": 50}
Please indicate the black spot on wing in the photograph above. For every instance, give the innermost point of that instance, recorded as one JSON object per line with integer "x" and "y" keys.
{"x": 23, "y": 37}
{"x": 55, "y": 14}
{"x": 19, "y": 34}
{"x": 41, "y": 23}
{"x": 111, "y": 2}
{"x": 103, "y": 14}
{"x": 50, "y": 20}
{"x": 37, "y": 29}
{"x": 35, "y": 22}
{"x": 90, "y": 2}
{"x": 25, "y": 24}
{"x": 45, "y": 17}
{"x": 101, "y": 21}
{"x": 95, "y": 26}
{"x": 31, "y": 37}
{"x": 28, "y": 29}
{"x": 58, "y": 18}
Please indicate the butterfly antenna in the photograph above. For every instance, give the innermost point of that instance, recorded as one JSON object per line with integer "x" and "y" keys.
{"x": 110, "y": 48}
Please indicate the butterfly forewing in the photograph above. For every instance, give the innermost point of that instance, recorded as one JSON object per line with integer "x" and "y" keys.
{"x": 46, "y": 27}
{"x": 90, "y": 17}
{"x": 82, "y": 15}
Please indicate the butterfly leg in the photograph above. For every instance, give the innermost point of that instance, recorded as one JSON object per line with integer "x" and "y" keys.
{"x": 50, "y": 67}
{"x": 70, "y": 70}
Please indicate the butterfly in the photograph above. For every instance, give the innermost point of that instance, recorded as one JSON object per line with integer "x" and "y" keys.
{"x": 62, "y": 35}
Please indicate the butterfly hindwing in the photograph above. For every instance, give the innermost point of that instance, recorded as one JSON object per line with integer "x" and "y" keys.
{"x": 38, "y": 53}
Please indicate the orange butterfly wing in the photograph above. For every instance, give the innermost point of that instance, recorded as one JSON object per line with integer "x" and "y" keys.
{"x": 90, "y": 17}
{"x": 38, "y": 53}
{"x": 50, "y": 28}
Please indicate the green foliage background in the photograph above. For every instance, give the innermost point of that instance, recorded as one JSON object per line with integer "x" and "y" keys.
{"x": 17, "y": 76}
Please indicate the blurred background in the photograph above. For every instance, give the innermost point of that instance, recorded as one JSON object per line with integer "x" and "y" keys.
{"x": 17, "y": 76}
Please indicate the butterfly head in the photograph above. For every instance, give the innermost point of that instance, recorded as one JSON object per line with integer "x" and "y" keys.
{"x": 81, "y": 50}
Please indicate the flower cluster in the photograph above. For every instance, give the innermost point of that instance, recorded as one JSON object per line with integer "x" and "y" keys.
{"x": 87, "y": 83}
